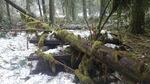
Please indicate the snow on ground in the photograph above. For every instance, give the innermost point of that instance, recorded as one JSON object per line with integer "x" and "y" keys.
{"x": 113, "y": 46}
{"x": 14, "y": 66}
{"x": 82, "y": 33}
{"x": 56, "y": 50}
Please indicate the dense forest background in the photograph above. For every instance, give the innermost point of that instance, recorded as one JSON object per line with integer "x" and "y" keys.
{"x": 76, "y": 11}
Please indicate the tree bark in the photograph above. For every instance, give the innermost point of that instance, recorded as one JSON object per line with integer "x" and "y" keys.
{"x": 67, "y": 10}
{"x": 102, "y": 7}
{"x": 1, "y": 10}
{"x": 90, "y": 7}
{"x": 19, "y": 8}
{"x": 44, "y": 10}
{"x": 8, "y": 14}
{"x": 137, "y": 17}
{"x": 51, "y": 12}
{"x": 28, "y": 2}
{"x": 124, "y": 64}
{"x": 73, "y": 10}
{"x": 38, "y": 2}
{"x": 84, "y": 9}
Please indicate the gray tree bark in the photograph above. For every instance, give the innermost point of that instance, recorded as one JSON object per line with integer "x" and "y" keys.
{"x": 51, "y": 12}
{"x": 38, "y": 2}
{"x": 84, "y": 9}
{"x": 44, "y": 10}
{"x": 8, "y": 14}
{"x": 1, "y": 10}
{"x": 137, "y": 17}
{"x": 102, "y": 7}
{"x": 28, "y": 2}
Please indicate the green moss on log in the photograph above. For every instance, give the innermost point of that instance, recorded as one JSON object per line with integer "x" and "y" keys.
{"x": 41, "y": 40}
{"x": 83, "y": 78}
{"x": 31, "y": 30}
{"x": 48, "y": 57}
{"x": 73, "y": 40}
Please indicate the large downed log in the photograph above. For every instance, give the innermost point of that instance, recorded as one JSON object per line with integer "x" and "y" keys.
{"x": 120, "y": 61}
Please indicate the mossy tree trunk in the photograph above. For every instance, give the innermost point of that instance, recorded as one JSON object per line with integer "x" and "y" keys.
{"x": 137, "y": 17}
{"x": 19, "y": 8}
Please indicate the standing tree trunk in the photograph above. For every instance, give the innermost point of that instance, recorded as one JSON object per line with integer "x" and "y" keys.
{"x": 51, "y": 12}
{"x": 8, "y": 14}
{"x": 38, "y": 2}
{"x": 28, "y": 2}
{"x": 137, "y": 17}
{"x": 1, "y": 10}
{"x": 44, "y": 10}
{"x": 90, "y": 7}
{"x": 73, "y": 10}
{"x": 102, "y": 7}
{"x": 84, "y": 9}
{"x": 67, "y": 9}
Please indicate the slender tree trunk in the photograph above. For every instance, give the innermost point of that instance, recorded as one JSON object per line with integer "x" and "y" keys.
{"x": 73, "y": 10}
{"x": 102, "y": 7}
{"x": 90, "y": 7}
{"x": 67, "y": 9}
{"x": 51, "y": 12}
{"x": 44, "y": 10}
{"x": 1, "y": 10}
{"x": 28, "y": 6}
{"x": 38, "y": 2}
{"x": 84, "y": 9}
{"x": 8, "y": 14}
{"x": 137, "y": 17}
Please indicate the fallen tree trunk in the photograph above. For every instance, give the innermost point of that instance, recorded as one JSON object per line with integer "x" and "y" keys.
{"x": 117, "y": 60}
{"x": 19, "y": 8}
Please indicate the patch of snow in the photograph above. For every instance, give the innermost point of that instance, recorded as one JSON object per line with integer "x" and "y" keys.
{"x": 111, "y": 45}
{"x": 50, "y": 36}
{"x": 82, "y": 33}
{"x": 103, "y": 31}
{"x": 56, "y": 50}
{"x": 14, "y": 66}
{"x": 108, "y": 34}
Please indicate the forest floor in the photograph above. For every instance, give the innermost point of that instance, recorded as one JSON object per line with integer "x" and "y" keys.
{"x": 140, "y": 45}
